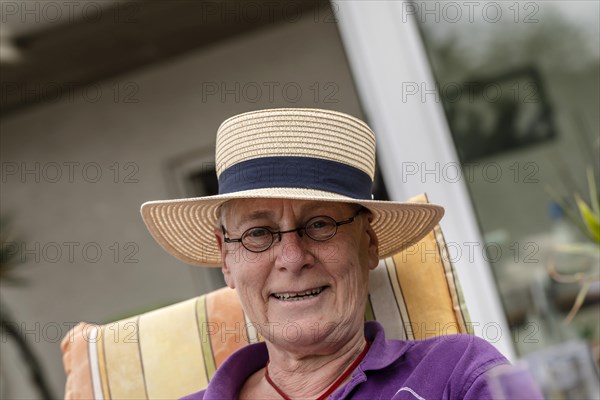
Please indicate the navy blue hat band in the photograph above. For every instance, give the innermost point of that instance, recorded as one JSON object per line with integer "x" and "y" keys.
{"x": 296, "y": 172}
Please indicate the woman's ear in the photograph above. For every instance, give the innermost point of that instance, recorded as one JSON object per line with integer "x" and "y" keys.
{"x": 373, "y": 248}
{"x": 224, "y": 263}
{"x": 373, "y": 244}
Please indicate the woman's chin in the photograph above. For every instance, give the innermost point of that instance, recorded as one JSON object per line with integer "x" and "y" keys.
{"x": 308, "y": 333}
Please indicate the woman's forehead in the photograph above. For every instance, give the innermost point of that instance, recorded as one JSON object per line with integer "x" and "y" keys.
{"x": 272, "y": 208}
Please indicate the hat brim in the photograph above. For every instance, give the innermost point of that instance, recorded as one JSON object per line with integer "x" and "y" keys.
{"x": 185, "y": 227}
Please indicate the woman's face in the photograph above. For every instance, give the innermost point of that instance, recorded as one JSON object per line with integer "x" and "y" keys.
{"x": 300, "y": 294}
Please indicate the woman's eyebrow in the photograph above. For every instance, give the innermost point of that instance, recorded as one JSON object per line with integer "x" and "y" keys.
{"x": 255, "y": 215}
{"x": 270, "y": 215}
{"x": 320, "y": 208}
{"x": 310, "y": 207}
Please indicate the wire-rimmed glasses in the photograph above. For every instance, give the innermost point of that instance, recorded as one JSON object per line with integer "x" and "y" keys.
{"x": 260, "y": 238}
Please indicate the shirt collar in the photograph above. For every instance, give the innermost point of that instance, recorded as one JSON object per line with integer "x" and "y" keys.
{"x": 382, "y": 352}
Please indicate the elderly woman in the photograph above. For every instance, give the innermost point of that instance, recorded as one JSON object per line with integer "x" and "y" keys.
{"x": 296, "y": 232}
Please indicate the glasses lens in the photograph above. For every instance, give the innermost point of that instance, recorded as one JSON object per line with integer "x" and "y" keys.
{"x": 257, "y": 239}
{"x": 321, "y": 228}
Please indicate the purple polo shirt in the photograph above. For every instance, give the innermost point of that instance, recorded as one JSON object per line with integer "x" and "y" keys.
{"x": 444, "y": 367}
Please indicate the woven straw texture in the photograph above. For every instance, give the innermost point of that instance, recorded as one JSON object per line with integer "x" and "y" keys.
{"x": 296, "y": 132}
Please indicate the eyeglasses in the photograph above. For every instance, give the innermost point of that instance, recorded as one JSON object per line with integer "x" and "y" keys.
{"x": 260, "y": 238}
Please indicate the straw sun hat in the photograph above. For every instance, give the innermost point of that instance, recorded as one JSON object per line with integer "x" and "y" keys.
{"x": 293, "y": 153}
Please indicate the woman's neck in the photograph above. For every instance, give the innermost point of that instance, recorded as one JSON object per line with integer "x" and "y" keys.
{"x": 309, "y": 376}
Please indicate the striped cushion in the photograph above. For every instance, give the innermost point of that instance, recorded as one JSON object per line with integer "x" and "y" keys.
{"x": 175, "y": 350}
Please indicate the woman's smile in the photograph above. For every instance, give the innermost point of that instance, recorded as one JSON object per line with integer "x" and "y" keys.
{"x": 300, "y": 295}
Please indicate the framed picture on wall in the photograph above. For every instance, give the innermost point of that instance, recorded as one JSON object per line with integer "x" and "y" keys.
{"x": 498, "y": 114}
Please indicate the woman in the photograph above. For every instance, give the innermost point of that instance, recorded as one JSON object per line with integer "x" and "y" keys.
{"x": 296, "y": 233}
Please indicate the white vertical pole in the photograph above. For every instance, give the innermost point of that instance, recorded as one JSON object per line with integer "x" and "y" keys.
{"x": 415, "y": 148}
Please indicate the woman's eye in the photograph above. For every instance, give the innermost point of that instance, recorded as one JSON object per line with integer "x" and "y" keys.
{"x": 257, "y": 233}
{"x": 320, "y": 223}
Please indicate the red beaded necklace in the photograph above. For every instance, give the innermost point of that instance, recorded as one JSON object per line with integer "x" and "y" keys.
{"x": 335, "y": 384}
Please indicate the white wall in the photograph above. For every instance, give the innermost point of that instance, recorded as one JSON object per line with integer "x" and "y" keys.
{"x": 170, "y": 119}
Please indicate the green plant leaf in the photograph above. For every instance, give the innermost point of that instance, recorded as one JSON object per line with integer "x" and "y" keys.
{"x": 593, "y": 191}
{"x": 591, "y": 220}
{"x": 568, "y": 210}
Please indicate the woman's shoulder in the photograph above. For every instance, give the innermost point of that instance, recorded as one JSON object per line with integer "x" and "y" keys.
{"x": 460, "y": 342}
{"x": 448, "y": 366}
{"x": 458, "y": 348}
{"x": 229, "y": 378}
{"x": 194, "y": 396}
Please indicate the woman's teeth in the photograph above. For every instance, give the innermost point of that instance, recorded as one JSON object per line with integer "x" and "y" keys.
{"x": 295, "y": 296}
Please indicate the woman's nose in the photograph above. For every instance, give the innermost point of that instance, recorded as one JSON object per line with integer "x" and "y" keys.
{"x": 292, "y": 251}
